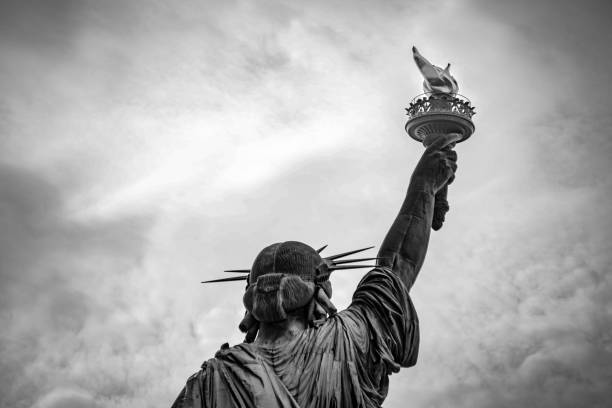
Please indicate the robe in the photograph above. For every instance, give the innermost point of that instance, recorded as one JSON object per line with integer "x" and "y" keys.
{"x": 343, "y": 363}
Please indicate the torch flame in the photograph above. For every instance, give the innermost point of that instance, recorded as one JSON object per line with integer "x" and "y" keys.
{"x": 437, "y": 80}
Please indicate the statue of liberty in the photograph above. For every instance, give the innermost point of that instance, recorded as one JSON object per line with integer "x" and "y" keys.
{"x": 299, "y": 351}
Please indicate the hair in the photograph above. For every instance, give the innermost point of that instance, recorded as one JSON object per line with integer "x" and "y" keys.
{"x": 286, "y": 279}
{"x": 274, "y": 295}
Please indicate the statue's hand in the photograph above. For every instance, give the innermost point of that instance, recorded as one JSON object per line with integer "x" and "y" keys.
{"x": 438, "y": 165}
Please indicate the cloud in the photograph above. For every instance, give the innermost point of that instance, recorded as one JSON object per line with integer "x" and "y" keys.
{"x": 56, "y": 290}
{"x": 66, "y": 398}
{"x": 147, "y": 147}
{"x": 514, "y": 317}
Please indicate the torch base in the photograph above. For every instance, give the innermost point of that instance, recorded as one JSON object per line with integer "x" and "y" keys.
{"x": 439, "y": 114}
{"x": 425, "y": 126}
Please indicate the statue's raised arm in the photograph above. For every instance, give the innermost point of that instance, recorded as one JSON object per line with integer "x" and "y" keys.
{"x": 300, "y": 353}
{"x": 403, "y": 249}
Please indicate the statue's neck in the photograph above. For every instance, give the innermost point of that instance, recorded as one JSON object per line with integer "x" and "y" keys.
{"x": 273, "y": 334}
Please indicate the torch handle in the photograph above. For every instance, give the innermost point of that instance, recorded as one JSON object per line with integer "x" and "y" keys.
{"x": 440, "y": 208}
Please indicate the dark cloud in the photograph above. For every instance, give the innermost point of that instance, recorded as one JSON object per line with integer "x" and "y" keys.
{"x": 50, "y": 295}
{"x": 44, "y": 26}
{"x": 578, "y": 29}
{"x": 571, "y": 127}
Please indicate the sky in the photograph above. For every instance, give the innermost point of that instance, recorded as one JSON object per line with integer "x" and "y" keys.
{"x": 148, "y": 145}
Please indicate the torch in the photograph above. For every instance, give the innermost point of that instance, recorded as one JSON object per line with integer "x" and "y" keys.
{"x": 438, "y": 111}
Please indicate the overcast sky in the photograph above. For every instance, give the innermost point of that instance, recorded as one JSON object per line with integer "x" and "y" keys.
{"x": 146, "y": 146}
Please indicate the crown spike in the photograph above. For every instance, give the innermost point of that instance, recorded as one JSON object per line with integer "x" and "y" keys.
{"x": 336, "y": 268}
{"x": 321, "y": 249}
{"x": 233, "y": 278}
{"x": 238, "y": 270}
{"x": 355, "y": 260}
{"x": 330, "y": 258}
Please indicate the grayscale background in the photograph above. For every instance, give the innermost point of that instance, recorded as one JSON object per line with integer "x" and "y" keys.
{"x": 146, "y": 146}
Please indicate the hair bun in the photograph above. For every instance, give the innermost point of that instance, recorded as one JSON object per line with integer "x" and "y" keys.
{"x": 274, "y": 294}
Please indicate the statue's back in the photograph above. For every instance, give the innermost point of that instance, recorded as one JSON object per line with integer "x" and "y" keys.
{"x": 345, "y": 362}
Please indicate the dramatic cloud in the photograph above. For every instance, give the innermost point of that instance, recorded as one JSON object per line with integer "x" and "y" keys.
{"x": 145, "y": 146}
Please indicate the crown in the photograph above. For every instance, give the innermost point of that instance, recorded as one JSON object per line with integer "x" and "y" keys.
{"x": 333, "y": 263}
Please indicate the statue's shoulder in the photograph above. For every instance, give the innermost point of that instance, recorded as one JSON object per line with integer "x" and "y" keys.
{"x": 384, "y": 269}
{"x": 234, "y": 358}
{"x": 378, "y": 274}
{"x": 242, "y": 352}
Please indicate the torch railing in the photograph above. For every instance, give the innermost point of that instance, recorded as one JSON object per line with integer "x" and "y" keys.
{"x": 428, "y": 103}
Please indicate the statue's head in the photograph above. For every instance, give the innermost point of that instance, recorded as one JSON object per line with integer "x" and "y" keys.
{"x": 285, "y": 278}
{"x": 290, "y": 279}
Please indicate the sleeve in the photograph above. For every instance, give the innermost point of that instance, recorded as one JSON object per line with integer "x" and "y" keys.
{"x": 190, "y": 395}
{"x": 387, "y": 326}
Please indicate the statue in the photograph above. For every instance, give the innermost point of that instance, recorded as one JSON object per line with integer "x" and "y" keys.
{"x": 299, "y": 351}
